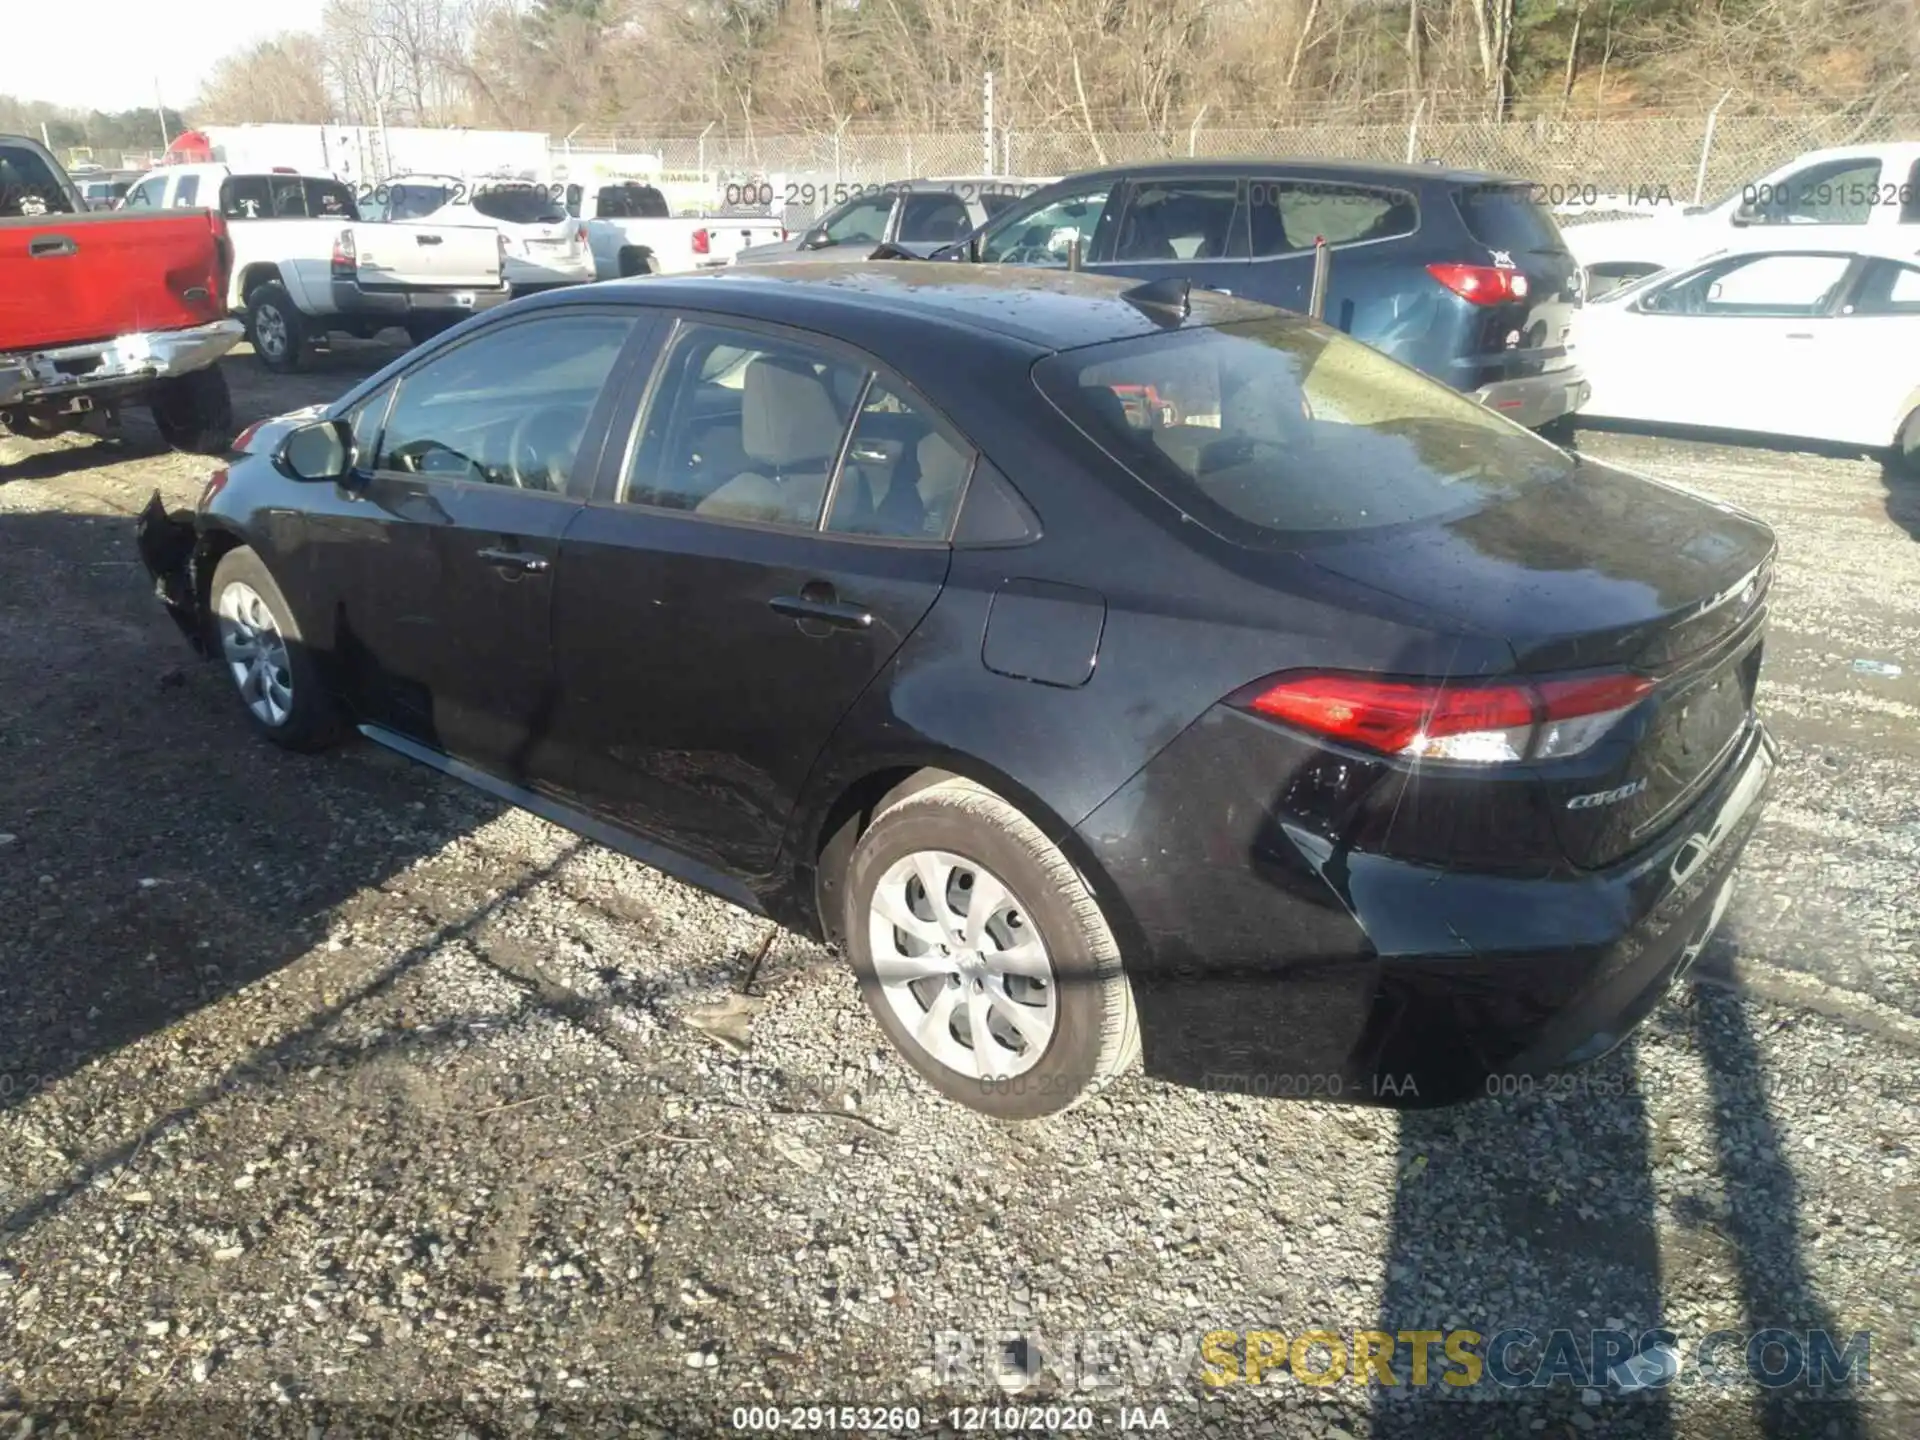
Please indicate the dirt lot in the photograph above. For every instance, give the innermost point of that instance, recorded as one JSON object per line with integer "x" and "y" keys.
{"x": 327, "y": 1085}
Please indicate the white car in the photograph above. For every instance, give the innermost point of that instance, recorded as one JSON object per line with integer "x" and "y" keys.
{"x": 541, "y": 246}
{"x": 306, "y": 264}
{"x": 1846, "y": 192}
{"x": 1804, "y": 340}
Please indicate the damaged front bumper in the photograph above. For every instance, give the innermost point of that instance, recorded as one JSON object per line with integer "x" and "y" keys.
{"x": 169, "y": 544}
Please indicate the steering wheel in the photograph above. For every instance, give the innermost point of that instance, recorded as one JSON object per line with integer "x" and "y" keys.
{"x": 540, "y": 450}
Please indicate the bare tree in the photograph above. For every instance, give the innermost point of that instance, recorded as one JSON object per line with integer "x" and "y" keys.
{"x": 282, "y": 80}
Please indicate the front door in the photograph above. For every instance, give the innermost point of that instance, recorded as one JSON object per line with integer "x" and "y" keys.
{"x": 437, "y": 564}
{"x": 742, "y": 580}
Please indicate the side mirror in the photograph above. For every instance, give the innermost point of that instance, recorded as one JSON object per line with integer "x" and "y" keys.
{"x": 318, "y": 452}
{"x": 815, "y": 239}
{"x": 1747, "y": 214}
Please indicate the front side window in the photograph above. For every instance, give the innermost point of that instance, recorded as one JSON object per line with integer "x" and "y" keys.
{"x": 1273, "y": 432}
{"x": 187, "y": 192}
{"x": 1286, "y": 217}
{"x": 1039, "y": 235}
{"x": 903, "y": 475}
{"x": 744, "y": 426}
{"x": 509, "y": 407}
{"x": 146, "y": 194}
{"x": 1754, "y": 285}
{"x": 863, "y": 222}
{"x": 934, "y": 218}
{"x": 1177, "y": 220}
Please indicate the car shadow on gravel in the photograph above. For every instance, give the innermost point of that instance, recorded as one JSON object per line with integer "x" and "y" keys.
{"x": 1903, "y": 499}
{"x": 1535, "y": 1220}
{"x": 159, "y": 856}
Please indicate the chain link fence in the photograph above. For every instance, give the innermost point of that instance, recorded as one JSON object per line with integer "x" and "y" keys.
{"x": 1667, "y": 159}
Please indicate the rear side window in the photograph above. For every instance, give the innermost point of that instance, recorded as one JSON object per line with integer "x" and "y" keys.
{"x": 521, "y": 205}
{"x": 27, "y": 185}
{"x": 331, "y": 200}
{"x": 934, "y": 218}
{"x": 187, "y": 192}
{"x": 1507, "y": 217}
{"x": 1273, "y": 432}
{"x": 1288, "y": 216}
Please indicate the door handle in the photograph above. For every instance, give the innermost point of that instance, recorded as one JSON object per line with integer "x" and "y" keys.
{"x": 818, "y": 602}
{"x": 427, "y": 239}
{"x": 1799, "y": 335}
{"x": 49, "y": 247}
{"x": 520, "y": 560}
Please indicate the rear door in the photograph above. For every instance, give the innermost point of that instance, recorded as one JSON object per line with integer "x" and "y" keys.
{"x": 1178, "y": 225}
{"x": 1875, "y": 354}
{"x": 436, "y": 566}
{"x": 1288, "y": 214}
{"x": 734, "y": 587}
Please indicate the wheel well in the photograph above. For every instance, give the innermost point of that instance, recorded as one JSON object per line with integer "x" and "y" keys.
{"x": 213, "y": 548}
{"x": 254, "y": 276}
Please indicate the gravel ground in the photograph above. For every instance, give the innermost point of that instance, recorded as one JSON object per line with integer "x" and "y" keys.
{"x": 327, "y": 1085}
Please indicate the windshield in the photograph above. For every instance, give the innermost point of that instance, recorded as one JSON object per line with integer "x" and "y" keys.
{"x": 416, "y": 201}
{"x": 1272, "y": 432}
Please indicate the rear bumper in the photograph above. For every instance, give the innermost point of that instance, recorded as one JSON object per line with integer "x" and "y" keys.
{"x": 357, "y": 301}
{"x": 114, "y": 364}
{"x": 1536, "y": 400}
{"x": 1268, "y": 958}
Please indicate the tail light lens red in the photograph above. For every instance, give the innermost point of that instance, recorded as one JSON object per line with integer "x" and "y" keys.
{"x": 701, "y": 244}
{"x": 1483, "y": 724}
{"x": 346, "y": 256}
{"x": 1481, "y": 284}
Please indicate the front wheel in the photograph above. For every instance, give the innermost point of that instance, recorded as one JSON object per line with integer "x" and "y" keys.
{"x": 984, "y": 956}
{"x": 261, "y": 647}
{"x": 194, "y": 412}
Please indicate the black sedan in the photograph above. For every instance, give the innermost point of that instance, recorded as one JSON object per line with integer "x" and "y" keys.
{"x": 1107, "y": 668}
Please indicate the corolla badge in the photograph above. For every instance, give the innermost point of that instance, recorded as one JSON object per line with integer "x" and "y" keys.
{"x": 1608, "y": 797}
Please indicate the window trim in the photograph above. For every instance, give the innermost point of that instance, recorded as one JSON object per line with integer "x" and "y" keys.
{"x": 1864, "y": 267}
{"x": 1239, "y": 231}
{"x": 1413, "y": 196}
{"x": 600, "y": 416}
{"x": 876, "y": 371}
{"x": 1057, "y": 192}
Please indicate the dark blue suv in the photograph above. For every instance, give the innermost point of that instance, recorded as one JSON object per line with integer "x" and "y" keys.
{"x": 1460, "y": 274}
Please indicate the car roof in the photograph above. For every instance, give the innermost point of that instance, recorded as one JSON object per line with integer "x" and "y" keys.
{"x": 1318, "y": 166}
{"x": 1898, "y": 151}
{"x": 1039, "y": 310}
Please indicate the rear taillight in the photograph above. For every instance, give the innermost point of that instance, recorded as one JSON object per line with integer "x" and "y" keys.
{"x": 580, "y": 237}
{"x": 701, "y": 246}
{"x": 1484, "y": 724}
{"x": 346, "y": 256}
{"x": 1481, "y": 284}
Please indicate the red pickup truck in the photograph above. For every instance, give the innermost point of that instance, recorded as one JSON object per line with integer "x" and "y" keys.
{"x": 102, "y": 309}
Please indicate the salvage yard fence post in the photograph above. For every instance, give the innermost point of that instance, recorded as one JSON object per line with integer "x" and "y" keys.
{"x": 1706, "y": 148}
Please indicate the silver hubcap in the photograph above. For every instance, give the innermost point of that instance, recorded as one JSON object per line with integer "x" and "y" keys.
{"x": 270, "y": 331}
{"x": 256, "y": 653}
{"x": 962, "y": 966}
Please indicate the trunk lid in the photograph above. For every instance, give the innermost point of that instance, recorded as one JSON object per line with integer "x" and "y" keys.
{"x": 71, "y": 279}
{"x": 1603, "y": 571}
{"x": 412, "y": 256}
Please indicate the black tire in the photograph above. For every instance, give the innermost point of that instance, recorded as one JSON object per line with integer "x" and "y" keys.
{"x": 269, "y": 307}
{"x": 194, "y": 412}
{"x": 1095, "y": 1036}
{"x": 1560, "y": 430}
{"x": 1904, "y": 460}
{"x": 422, "y": 328}
{"x": 312, "y": 720}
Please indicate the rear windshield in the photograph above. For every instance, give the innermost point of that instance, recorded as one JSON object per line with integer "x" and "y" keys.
{"x": 416, "y": 202}
{"x": 1272, "y": 432}
{"x": 28, "y": 186}
{"x": 522, "y": 205}
{"x": 632, "y": 202}
{"x": 1507, "y": 217}
{"x": 285, "y": 197}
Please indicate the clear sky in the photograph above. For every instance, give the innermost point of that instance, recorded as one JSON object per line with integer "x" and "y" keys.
{"x": 105, "y": 54}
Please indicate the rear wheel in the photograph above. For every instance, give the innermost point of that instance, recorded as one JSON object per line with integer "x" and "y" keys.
{"x": 1906, "y": 449}
{"x": 276, "y": 328}
{"x": 262, "y": 650}
{"x": 422, "y": 328}
{"x": 984, "y": 956}
{"x": 194, "y": 412}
